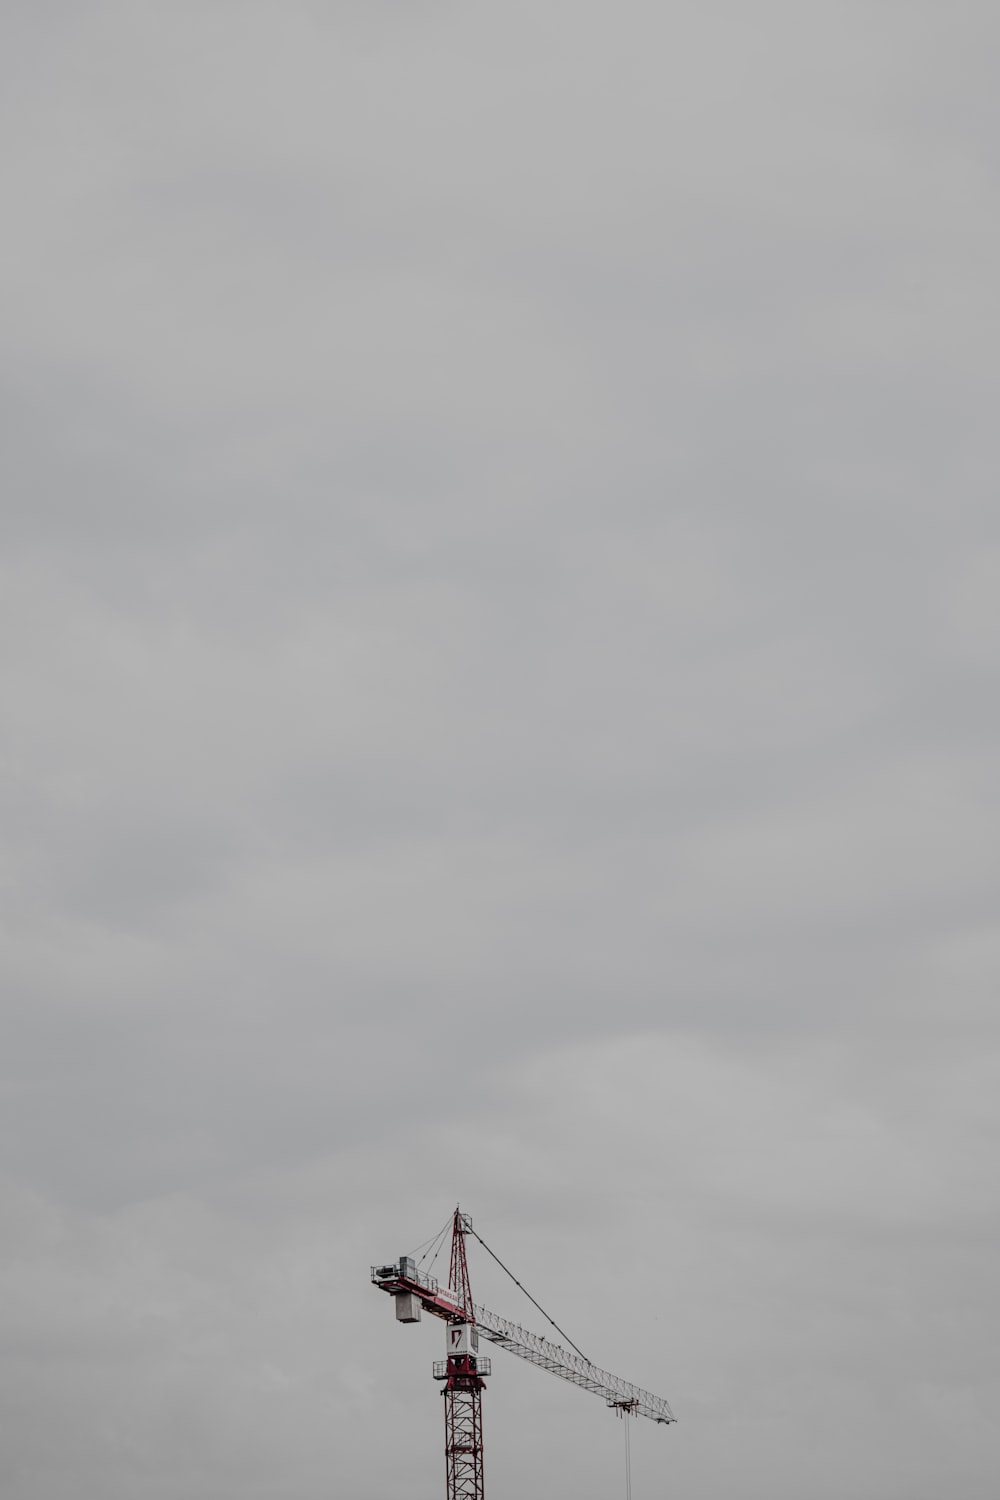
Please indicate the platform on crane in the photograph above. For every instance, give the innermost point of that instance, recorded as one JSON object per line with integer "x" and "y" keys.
{"x": 483, "y": 1366}
{"x": 415, "y": 1292}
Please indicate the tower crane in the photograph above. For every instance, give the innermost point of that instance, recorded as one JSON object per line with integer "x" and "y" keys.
{"x": 464, "y": 1370}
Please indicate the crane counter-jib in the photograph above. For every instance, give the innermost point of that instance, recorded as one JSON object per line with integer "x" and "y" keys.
{"x": 414, "y": 1291}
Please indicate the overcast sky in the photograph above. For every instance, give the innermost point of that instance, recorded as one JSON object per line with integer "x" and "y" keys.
{"x": 501, "y": 616}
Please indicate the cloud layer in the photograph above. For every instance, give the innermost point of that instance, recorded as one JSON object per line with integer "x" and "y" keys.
{"x": 500, "y": 636}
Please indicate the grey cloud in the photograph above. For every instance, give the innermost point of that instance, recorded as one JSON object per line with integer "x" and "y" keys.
{"x": 499, "y": 632}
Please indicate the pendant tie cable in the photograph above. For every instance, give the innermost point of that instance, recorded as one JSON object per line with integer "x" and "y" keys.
{"x": 541, "y": 1309}
{"x": 435, "y": 1243}
{"x": 427, "y": 1245}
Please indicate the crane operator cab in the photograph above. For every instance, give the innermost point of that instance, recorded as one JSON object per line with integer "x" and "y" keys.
{"x": 463, "y": 1338}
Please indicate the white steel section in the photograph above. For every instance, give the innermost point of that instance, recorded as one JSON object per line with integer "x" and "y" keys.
{"x": 461, "y": 1338}
{"x": 571, "y": 1367}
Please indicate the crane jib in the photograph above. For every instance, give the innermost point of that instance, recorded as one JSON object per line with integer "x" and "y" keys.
{"x": 572, "y": 1367}
{"x": 415, "y": 1292}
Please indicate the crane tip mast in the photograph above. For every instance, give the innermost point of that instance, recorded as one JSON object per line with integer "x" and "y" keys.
{"x": 464, "y": 1370}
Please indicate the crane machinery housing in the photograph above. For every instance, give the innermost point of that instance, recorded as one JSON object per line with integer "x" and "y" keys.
{"x": 464, "y": 1370}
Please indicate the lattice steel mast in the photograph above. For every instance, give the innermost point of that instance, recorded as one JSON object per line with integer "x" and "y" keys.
{"x": 463, "y": 1377}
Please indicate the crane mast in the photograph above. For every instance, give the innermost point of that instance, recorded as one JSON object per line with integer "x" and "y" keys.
{"x": 463, "y": 1371}
{"x": 463, "y": 1381}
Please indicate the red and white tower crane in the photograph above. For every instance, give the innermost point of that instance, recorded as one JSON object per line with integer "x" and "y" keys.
{"x": 464, "y": 1370}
